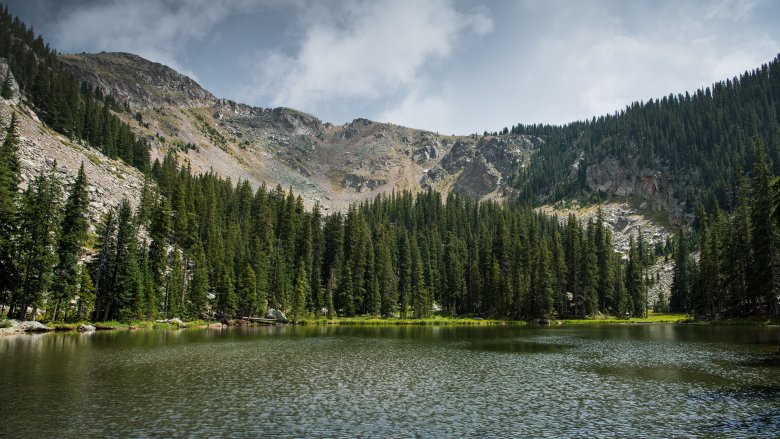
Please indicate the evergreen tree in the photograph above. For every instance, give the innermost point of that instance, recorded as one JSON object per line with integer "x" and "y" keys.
{"x": 418, "y": 291}
{"x": 633, "y": 283}
{"x": 764, "y": 277}
{"x": 40, "y": 220}
{"x": 247, "y": 291}
{"x": 330, "y": 290}
{"x": 5, "y": 91}
{"x": 681, "y": 280}
{"x": 103, "y": 265}
{"x": 174, "y": 297}
{"x": 73, "y": 234}
{"x": 159, "y": 232}
{"x": 301, "y": 288}
{"x": 86, "y": 294}
{"x": 124, "y": 300}
{"x": 227, "y": 302}
{"x": 199, "y": 284}
{"x": 9, "y": 183}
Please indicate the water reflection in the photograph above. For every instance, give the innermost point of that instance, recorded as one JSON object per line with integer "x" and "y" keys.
{"x": 626, "y": 380}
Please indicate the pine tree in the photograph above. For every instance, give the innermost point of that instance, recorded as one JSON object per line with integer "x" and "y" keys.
{"x": 225, "y": 293}
{"x": 39, "y": 217}
{"x": 330, "y": 290}
{"x": 5, "y": 91}
{"x": 199, "y": 284}
{"x": 103, "y": 265}
{"x": 388, "y": 283}
{"x": 681, "y": 280}
{"x": 9, "y": 183}
{"x": 634, "y": 287}
{"x": 404, "y": 273}
{"x": 159, "y": 232}
{"x": 73, "y": 234}
{"x": 764, "y": 276}
{"x": 542, "y": 284}
{"x": 174, "y": 297}
{"x": 86, "y": 294}
{"x": 125, "y": 300}
{"x": 301, "y": 289}
{"x": 247, "y": 291}
{"x": 419, "y": 292}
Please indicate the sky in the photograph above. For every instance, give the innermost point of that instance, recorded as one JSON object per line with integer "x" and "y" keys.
{"x": 451, "y": 66}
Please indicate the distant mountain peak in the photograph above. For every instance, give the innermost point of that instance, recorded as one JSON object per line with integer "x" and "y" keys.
{"x": 139, "y": 82}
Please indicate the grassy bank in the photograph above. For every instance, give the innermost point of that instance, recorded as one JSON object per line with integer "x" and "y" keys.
{"x": 651, "y": 318}
{"x": 657, "y": 318}
{"x": 430, "y": 321}
{"x": 130, "y": 325}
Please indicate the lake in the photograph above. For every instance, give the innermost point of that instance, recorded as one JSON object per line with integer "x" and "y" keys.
{"x": 588, "y": 380}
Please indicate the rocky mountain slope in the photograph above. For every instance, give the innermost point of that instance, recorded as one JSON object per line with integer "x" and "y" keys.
{"x": 41, "y": 148}
{"x": 330, "y": 164}
{"x": 334, "y": 165}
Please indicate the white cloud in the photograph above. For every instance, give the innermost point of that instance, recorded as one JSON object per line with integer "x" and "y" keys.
{"x": 364, "y": 50}
{"x": 423, "y": 111}
{"x": 155, "y": 30}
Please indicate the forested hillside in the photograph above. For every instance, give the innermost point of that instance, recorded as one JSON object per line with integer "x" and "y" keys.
{"x": 76, "y": 110}
{"x": 199, "y": 245}
{"x": 737, "y": 271}
{"x": 694, "y": 144}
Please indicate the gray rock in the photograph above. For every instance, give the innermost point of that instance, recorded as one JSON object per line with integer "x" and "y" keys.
{"x": 276, "y": 314}
{"x": 33, "y": 326}
{"x": 86, "y": 328}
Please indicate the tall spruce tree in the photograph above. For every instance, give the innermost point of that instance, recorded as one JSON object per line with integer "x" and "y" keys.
{"x": 9, "y": 186}
{"x": 40, "y": 219}
{"x": 73, "y": 234}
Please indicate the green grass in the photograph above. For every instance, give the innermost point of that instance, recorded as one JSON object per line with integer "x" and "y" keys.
{"x": 94, "y": 159}
{"x": 651, "y": 318}
{"x": 122, "y": 325}
{"x": 430, "y": 321}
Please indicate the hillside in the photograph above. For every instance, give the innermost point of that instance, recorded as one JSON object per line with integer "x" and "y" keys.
{"x": 334, "y": 165}
{"x": 675, "y": 152}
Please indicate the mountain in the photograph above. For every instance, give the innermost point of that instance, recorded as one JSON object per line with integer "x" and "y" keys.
{"x": 334, "y": 165}
{"x": 675, "y": 153}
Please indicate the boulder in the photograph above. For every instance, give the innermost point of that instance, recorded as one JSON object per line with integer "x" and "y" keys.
{"x": 276, "y": 314}
{"x": 33, "y": 326}
{"x": 177, "y": 321}
{"x": 86, "y": 328}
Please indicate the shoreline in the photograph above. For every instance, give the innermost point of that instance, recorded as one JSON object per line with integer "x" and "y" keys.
{"x": 141, "y": 325}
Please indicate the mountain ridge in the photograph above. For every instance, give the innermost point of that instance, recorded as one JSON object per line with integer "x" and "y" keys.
{"x": 333, "y": 165}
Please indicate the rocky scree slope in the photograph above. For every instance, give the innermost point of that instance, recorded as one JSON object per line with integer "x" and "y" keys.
{"x": 41, "y": 149}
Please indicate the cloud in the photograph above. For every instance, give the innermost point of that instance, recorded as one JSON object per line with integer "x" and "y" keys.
{"x": 364, "y": 50}
{"x": 157, "y": 30}
{"x": 421, "y": 110}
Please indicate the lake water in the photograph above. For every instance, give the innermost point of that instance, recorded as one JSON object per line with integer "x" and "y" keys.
{"x": 605, "y": 380}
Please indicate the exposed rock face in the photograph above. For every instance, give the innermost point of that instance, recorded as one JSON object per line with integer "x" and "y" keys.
{"x": 86, "y": 328}
{"x": 614, "y": 179}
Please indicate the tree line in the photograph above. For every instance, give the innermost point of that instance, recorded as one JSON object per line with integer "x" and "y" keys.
{"x": 697, "y": 141}
{"x": 198, "y": 246}
{"x": 735, "y": 270}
